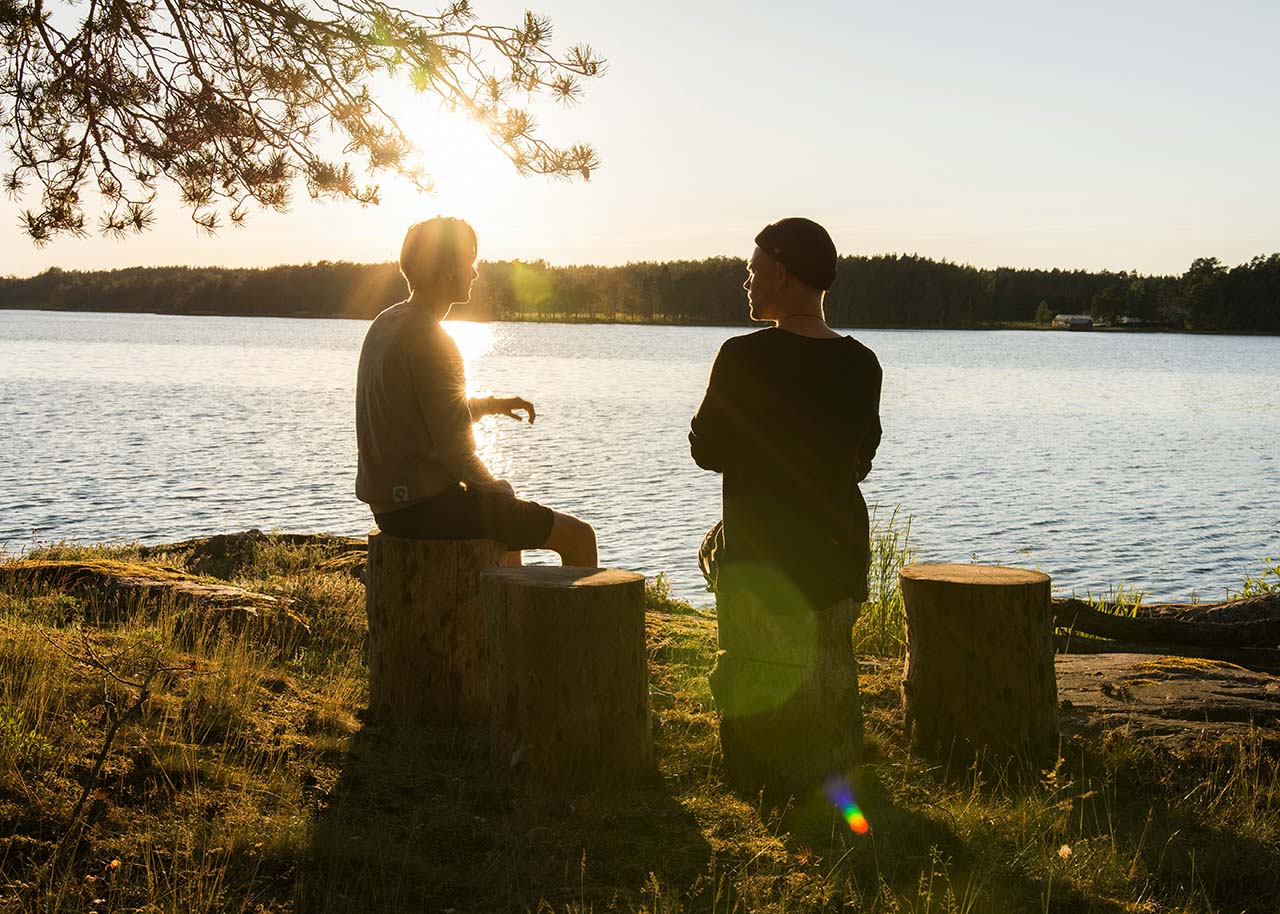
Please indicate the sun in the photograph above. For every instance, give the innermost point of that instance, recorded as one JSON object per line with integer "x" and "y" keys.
{"x": 468, "y": 171}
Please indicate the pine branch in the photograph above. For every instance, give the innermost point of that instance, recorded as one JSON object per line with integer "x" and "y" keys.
{"x": 229, "y": 100}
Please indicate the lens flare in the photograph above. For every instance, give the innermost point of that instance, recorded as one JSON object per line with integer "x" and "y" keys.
{"x": 841, "y": 794}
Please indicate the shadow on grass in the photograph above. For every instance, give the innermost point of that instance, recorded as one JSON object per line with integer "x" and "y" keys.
{"x": 1225, "y": 870}
{"x": 418, "y": 820}
{"x": 912, "y": 859}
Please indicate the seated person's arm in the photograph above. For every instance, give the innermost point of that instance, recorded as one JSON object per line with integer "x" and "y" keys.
{"x": 479, "y": 407}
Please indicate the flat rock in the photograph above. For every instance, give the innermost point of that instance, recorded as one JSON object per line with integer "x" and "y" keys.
{"x": 109, "y": 582}
{"x": 225, "y": 555}
{"x": 1168, "y": 699}
{"x": 111, "y": 591}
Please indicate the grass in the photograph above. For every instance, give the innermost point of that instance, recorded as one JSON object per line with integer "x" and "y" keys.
{"x": 881, "y": 626}
{"x": 246, "y": 781}
{"x": 1265, "y": 582}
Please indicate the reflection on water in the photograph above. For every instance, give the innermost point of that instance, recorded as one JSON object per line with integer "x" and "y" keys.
{"x": 1144, "y": 459}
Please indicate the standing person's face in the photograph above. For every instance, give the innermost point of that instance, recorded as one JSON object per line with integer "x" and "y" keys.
{"x": 764, "y": 276}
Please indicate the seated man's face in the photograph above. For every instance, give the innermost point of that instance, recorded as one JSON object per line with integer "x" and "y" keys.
{"x": 463, "y": 278}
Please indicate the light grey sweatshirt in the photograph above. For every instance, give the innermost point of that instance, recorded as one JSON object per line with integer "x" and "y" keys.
{"x": 413, "y": 419}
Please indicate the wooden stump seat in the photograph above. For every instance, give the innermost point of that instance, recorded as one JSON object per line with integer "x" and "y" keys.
{"x": 979, "y": 677}
{"x": 427, "y": 658}
{"x": 568, "y": 672}
{"x": 786, "y": 686}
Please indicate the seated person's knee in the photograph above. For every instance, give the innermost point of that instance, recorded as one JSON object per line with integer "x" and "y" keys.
{"x": 574, "y": 540}
{"x": 585, "y": 532}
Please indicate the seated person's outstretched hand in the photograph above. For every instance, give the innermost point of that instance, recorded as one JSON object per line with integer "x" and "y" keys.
{"x": 507, "y": 406}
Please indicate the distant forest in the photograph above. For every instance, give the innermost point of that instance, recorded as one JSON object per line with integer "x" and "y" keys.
{"x": 880, "y": 291}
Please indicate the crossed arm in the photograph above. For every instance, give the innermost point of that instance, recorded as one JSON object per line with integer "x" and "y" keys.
{"x": 714, "y": 434}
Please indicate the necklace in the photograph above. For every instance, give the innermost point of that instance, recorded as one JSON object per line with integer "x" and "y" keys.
{"x": 797, "y": 317}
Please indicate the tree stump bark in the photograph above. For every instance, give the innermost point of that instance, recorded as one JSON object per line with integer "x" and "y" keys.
{"x": 427, "y": 658}
{"x": 979, "y": 678}
{"x": 786, "y": 686}
{"x": 568, "y": 672}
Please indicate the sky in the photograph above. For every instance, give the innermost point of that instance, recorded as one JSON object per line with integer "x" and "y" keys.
{"x": 1116, "y": 135}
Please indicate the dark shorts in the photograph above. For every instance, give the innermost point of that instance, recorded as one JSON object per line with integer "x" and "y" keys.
{"x": 469, "y": 514}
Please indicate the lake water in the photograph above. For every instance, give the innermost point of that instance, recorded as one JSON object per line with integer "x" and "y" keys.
{"x": 1148, "y": 460}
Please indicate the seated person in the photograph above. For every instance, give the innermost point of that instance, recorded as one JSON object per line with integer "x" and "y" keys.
{"x": 418, "y": 468}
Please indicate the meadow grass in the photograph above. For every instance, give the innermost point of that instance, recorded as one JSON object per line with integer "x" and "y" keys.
{"x": 247, "y": 781}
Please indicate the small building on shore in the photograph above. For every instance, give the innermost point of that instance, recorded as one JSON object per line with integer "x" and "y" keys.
{"x": 1073, "y": 322}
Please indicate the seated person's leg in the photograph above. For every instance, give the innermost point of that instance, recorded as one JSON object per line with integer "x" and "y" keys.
{"x": 525, "y": 524}
{"x": 574, "y": 540}
{"x": 515, "y": 522}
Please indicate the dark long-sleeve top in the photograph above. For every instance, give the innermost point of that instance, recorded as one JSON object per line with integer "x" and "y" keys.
{"x": 413, "y": 418}
{"x": 793, "y": 423}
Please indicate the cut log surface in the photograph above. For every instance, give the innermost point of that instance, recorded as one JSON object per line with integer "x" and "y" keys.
{"x": 979, "y": 675}
{"x": 427, "y": 656}
{"x": 568, "y": 672}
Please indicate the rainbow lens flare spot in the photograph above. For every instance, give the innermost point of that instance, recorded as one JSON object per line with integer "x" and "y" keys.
{"x": 857, "y": 821}
{"x": 841, "y": 794}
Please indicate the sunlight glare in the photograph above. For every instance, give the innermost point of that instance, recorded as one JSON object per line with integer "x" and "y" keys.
{"x": 489, "y": 447}
{"x": 475, "y": 341}
{"x": 468, "y": 171}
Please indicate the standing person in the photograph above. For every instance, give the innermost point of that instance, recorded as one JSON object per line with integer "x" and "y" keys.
{"x": 418, "y": 468}
{"x": 791, "y": 419}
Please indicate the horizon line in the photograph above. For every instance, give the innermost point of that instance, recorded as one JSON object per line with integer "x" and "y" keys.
{"x": 616, "y": 266}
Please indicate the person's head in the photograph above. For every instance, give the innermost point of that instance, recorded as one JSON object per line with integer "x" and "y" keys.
{"x": 792, "y": 266}
{"x": 438, "y": 259}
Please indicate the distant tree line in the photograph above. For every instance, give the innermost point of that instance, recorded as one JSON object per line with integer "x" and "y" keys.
{"x": 880, "y": 291}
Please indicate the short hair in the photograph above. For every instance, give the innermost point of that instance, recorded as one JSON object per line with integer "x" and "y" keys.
{"x": 435, "y": 248}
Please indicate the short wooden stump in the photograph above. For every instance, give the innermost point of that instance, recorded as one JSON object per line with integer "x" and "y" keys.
{"x": 785, "y": 684}
{"x": 979, "y": 678}
{"x": 568, "y": 672}
{"x": 428, "y": 663}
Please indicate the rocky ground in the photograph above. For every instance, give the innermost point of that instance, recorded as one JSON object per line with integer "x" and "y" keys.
{"x": 1170, "y": 699}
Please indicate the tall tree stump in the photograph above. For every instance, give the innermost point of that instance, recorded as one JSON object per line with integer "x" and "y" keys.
{"x": 427, "y": 658}
{"x": 568, "y": 672}
{"x": 979, "y": 677}
{"x": 786, "y": 686}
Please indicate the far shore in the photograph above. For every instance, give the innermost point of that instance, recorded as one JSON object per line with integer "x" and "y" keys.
{"x": 633, "y": 322}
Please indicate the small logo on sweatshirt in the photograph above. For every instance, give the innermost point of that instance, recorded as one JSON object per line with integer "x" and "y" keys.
{"x": 400, "y": 493}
